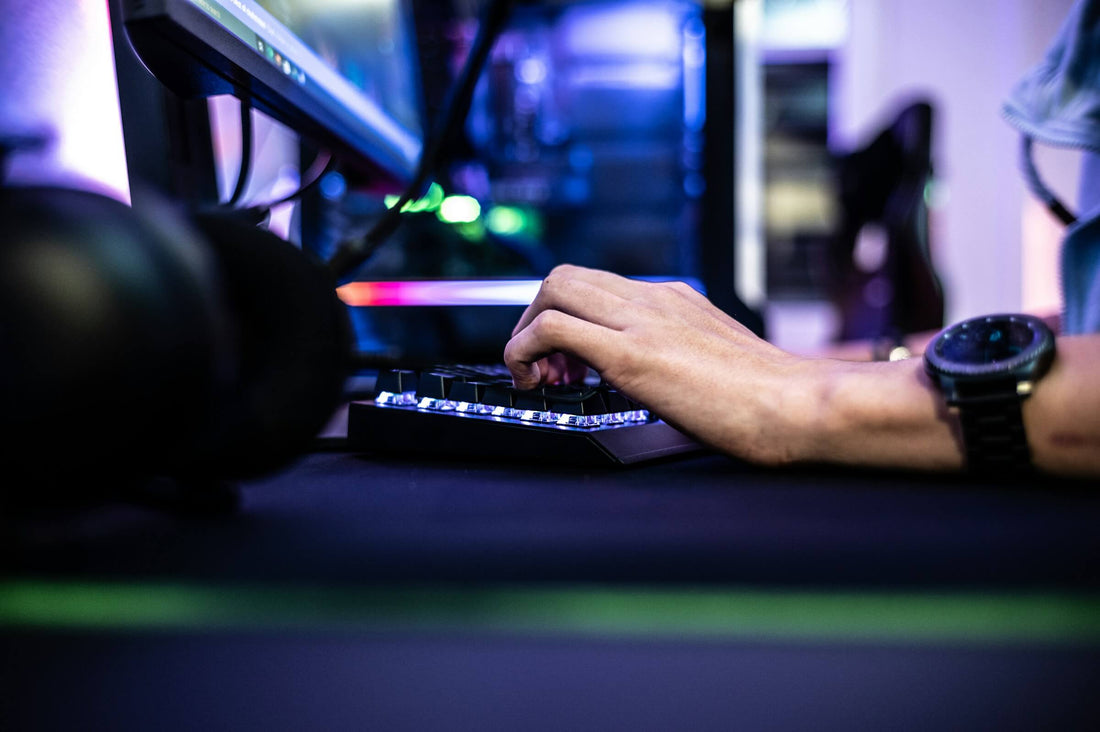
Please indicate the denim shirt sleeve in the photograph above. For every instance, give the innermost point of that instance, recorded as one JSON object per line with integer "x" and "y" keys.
{"x": 1057, "y": 103}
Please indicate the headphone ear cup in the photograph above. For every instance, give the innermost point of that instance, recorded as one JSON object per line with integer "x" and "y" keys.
{"x": 135, "y": 343}
{"x": 113, "y": 342}
{"x": 293, "y": 344}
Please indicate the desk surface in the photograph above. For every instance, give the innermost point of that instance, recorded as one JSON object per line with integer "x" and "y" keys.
{"x": 336, "y": 517}
{"x": 348, "y": 590}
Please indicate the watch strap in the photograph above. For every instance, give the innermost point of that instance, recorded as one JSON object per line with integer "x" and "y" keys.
{"x": 994, "y": 435}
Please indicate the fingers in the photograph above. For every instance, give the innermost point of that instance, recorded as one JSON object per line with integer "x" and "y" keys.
{"x": 580, "y": 316}
{"x": 540, "y": 352}
{"x": 560, "y": 368}
{"x": 593, "y": 295}
{"x": 607, "y": 299}
{"x": 557, "y": 368}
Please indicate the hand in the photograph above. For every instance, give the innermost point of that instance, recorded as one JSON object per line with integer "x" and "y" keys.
{"x": 666, "y": 346}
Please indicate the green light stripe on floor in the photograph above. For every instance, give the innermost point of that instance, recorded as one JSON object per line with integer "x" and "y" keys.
{"x": 619, "y": 612}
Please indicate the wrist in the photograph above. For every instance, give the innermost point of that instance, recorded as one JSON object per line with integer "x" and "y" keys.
{"x": 879, "y": 415}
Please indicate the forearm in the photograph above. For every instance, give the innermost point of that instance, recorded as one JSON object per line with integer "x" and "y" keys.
{"x": 667, "y": 347}
{"x": 890, "y": 414}
{"x": 1062, "y": 418}
{"x": 878, "y": 415}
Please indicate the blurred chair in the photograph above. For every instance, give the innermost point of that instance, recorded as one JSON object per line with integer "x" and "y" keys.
{"x": 881, "y": 276}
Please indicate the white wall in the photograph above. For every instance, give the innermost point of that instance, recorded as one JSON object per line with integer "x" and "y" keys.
{"x": 966, "y": 54}
{"x": 57, "y": 76}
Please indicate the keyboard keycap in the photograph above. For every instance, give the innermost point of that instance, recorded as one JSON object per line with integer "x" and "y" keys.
{"x": 497, "y": 395}
{"x": 434, "y": 385}
{"x": 472, "y": 392}
{"x": 584, "y": 403}
{"x": 396, "y": 381}
{"x": 531, "y": 400}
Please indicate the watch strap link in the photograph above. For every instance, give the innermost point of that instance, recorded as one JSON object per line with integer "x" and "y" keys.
{"x": 994, "y": 435}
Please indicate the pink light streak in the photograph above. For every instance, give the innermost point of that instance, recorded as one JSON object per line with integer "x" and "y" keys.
{"x": 437, "y": 293}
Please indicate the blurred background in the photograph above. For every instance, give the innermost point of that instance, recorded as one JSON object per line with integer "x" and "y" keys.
{"x": 587, "y": 143}
{"x": 824, "y": 169}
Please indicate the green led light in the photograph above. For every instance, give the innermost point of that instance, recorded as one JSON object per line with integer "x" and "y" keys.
{"x": 875, "y": 617}
{"x": 459, "y": 210}
{"x": 507, "y": 220}
{"x": 430, "y": 201}
{"x": 473, "y": 231}
{"x": 434, "y": 197}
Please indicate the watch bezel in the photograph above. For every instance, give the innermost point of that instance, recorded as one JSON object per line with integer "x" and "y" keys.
{"x": 1029, "y": 362}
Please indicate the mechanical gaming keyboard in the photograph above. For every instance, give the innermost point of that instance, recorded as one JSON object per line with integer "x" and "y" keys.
{"x": 475, "y": 412}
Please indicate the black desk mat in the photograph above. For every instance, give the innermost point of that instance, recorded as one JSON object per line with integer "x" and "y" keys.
{"x": 351, "y": 593}
{"x": 336, "y": 517}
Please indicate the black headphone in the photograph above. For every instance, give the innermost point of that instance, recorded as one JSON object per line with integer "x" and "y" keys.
{"x": 137, "y": 343}
{"x": 140, "y": 343}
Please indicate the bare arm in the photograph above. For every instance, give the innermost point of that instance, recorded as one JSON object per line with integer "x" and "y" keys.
{"x": 668, "y": 347}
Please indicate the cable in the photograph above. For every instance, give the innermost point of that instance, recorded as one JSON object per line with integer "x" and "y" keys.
{"x": 354, "y": 252}
{"x": 258, "y": 213}
{"x": 313, "y": 175}
{"x": 245, "y": 171}
{"x": 1031, "y": 177}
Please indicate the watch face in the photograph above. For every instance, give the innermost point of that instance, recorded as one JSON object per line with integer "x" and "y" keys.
{"x": 985, "y": 341}
{"x": 990, "y": 345}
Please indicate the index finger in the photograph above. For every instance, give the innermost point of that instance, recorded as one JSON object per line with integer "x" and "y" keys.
{"x": 554, "y": 332}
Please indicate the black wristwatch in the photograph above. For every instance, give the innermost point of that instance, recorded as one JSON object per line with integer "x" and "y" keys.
{"x": 986, "y": 367}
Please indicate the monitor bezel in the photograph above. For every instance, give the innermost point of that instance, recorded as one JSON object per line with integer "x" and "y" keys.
{"x": 194, "y": 56}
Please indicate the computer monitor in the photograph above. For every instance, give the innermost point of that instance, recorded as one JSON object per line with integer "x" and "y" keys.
{"x": 342, "y": 74}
